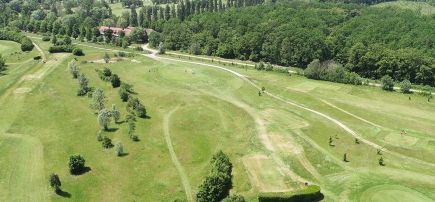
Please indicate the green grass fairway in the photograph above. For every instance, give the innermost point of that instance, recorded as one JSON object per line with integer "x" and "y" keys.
{"x": 195, "y": 110}
{"x": 392, "y": 193}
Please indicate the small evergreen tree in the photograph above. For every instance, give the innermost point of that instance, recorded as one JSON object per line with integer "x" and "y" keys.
{"x": 115, "y": 80}
{"x": 55, "y": 182}
{"x": 74, "y": 70}
{"x": 381, "y": 161}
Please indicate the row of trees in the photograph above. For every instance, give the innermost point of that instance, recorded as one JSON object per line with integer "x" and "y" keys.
{"x": 14, "y": 35}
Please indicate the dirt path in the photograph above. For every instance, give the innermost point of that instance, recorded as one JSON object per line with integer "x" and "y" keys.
{"x": 355, "y": 116}
{"x": 177, "y": 164}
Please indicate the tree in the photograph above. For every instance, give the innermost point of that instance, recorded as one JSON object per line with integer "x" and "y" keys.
{"x": 387, "y": 83}
{"x": 98, "y": 99}
{"x": 103, "y": 118}
{"x": 123, "y": 94}
{"x": 381, "y": 161}
{"x": 119, "y": 149}
{"x": 83, "y": 85}
{"x": 55, "y": 182}
{"x": 161, "y": 48}
{"x": 115, "y": 113}
{"x": 405, "y": 86}
{"x": 115, "y": 80}
{"x": 74, "y": 70}
{"x": 2, "y": 63}
{"x": 345, "y": 157}
{"x": 54, "y": 39}
{"x": 106, "y": 143}
{"x": 133, "y": 16}
{"x": 76, "y": 164}
{"x": 134, "y": 106}
{"x": 67, "y": 40}
{"x": 106, "y": 57}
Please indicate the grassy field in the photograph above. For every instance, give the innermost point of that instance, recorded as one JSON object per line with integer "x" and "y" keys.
{"x": 422, "y": 7}
{"x": 273, "y": 146}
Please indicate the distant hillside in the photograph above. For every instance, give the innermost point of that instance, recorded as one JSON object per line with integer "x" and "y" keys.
{"x": 423, "y": 7}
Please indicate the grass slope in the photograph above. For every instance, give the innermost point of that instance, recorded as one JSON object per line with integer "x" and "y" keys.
{"x": 215, "y": 110}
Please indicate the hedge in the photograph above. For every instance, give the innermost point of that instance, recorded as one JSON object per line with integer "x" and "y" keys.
{"x": 26, "y": 43}
{"x": 310, "y": 193}
{"x": 61, "y": 49}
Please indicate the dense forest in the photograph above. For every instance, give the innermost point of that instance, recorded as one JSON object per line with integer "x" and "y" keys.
{"x": 369, "y": 41}
{"x": 372, "y": 42}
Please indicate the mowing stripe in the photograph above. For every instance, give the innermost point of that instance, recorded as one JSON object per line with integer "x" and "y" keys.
{"x": 177, "y": 164}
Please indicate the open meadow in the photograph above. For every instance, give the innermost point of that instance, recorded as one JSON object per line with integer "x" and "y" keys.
{"x": 296, "y": 131}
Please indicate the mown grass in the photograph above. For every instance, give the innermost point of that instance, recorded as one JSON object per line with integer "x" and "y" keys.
{"x": 216, "y": 111}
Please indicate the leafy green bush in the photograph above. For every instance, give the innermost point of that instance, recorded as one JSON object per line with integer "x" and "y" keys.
{"x": 26, "y": 43}
{"x": 331, "y": 71}
{"x": 76, "y": 164}
{"x": 78, "y": 52}
{"x": 106, "y": 143}
{"x": 387, "y": 83}
{"x": 61, "y": 49}
{"x": 46, "y": 38}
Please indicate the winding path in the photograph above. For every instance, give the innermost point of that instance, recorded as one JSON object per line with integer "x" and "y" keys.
{"x": 177, "y": 164}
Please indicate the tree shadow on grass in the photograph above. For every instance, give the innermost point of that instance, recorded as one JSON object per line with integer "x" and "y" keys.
{"x": 123, "y": 154}
{"x": 111, "y": 130}
{"x": 63, "y": 194}
{"x": 83, "y": 171}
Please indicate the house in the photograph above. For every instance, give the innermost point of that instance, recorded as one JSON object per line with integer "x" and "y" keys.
{"x": 117, "y": 30}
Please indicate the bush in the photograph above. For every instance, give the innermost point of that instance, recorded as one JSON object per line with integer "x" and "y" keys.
{"x": 37, "y": 57}
{"x": 123, "y": 94}
{"x": 310, "y": 193}
{"x": 387, "y": 83}
{"x": 405, "y": 86}
{"x": 106, "y": 143}
{"x": 119, "y": 149}
{"x": 134, "y": 106}
{"x": 115, "y": 80}
{"x": 76, "y": 164}
{"x": 61, "y": 49}
{"x": 46, "y": 38}
{"x": 78, "y": 52}
{"x": 331, "y": 71}
{"x": 55, "y": 182}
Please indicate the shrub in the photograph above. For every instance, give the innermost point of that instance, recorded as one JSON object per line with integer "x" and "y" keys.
{"x": 134, "y": 106}
{"x": 115, "y": 80}
{"x": 331, "y": 71}
{"x": 123, "y": 94}
{"x": 55, "y": 182}
{"x": 119, "y": 149}
{"x": 2, "y": 63}
{"x": 234, "y": 198}
{"x": 100, "y": 136}
{"x": 78, "y": 52}
{"x": 138, "y": 48}
{"x": 76, "y": 164}
{"x": 61, "y": 49}
{"x": 37, "y": 57}
{"x": 387, "y": 83}
{"x": 106, "y": 143}
{"x": 405, "y": 86}
{"x": 46, "y": 38}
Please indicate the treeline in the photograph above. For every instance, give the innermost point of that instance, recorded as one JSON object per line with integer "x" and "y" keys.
{"x": 26, "y": 43}
{"x": 372, "y": 42}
